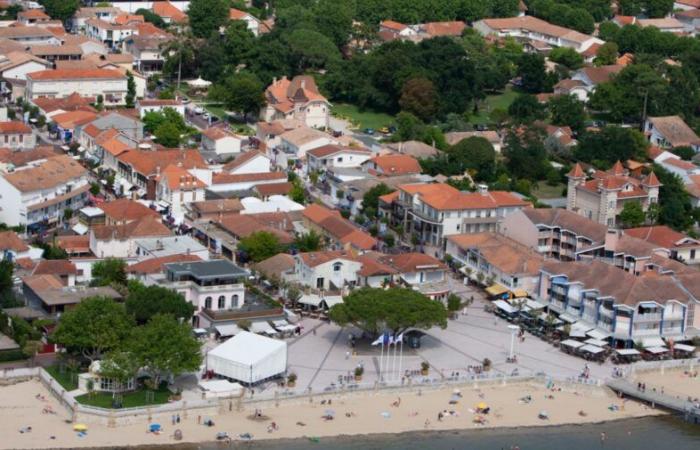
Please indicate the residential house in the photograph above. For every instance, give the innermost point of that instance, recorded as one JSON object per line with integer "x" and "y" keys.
{"x": 392, "y": 165}
{"x": 14, "y": 66}
{"x": 603, "y": 196}
{"x": 327, "y": 270}
{"x": 420, "y": 272}
{"x": 267, "y": 135}
{"x": 666, "y": 24}
{"x": 433, "y": 211}
{"x": 14, "y": 248}
{"x": 220, "y": 141}
{"x": 439, "y": 29}
{"x": 686, "y": 5}
{"x": 170, "y": 246}
{"x": 49, "y": 107}
{"x": 215, "y": 285}
{"x": 296, "y": 99}
{"x": 119, "y": 241}
{"x": 684, "y": 169}
{"x": 584, "y": 81}
{"x": 66, "y": 122}
{"x": 632, "y": 309}
{"x": 62, "y": 269}
{"x": 10, "y": 159}
{"x": 148, "y": 270}
{"x": 48, "y": 293}
{"x": 41, "y": 193}
{"x": 532, "y": 29}
{"x": 225, "y": 182}
{"x": 390, "y": 30}
{"x": 177, "y": 187}
{"x": 416, "y": 149}
{"x": 253, "y": 23}
{"x": 681, "y": 246}
{"x": 75, "y": 246}
{"x": 690, "y": 19}
{"x": 295, "y": 143}
{"x": 16, "y": 135}
{"x": 495, "y": 258}
{"x": 693, "y": 188}
{"x": 341, "y": 232}
{"x": 669, "y": 132}
{"x": 110, "y": 85}
{"x": 105, "y": 13}
{"x": 251, "y": 161}
{"x": 32, "y": 17}
{"x": 157, "y": 105}
{"x": 330, "y": 156}
{"x": 117, "y": 123}
{"x": 212, "y": 210}
{"x": 111, "y": 145}
{"x": 147, "y": 52}
{"x": 169, "y": 13}
{"x": 277, "y": 268}
{"x": 29, "y": 36}
{"x": 123, "y": 211}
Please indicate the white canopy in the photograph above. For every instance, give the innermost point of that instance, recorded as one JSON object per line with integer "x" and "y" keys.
{"x": 684, "y": 348}
{"x": 199, "y": 83}
{"x": 332, "y": 300}
{"x": 596, "y": 342}
{"x": 227, "y": 330}
{"x": 283, "y": 325}
{"x": 262, "y": 327}
{"x": 598, "y": 334}
{"x": 504, "y": 306}
{"x": 310, "y": 299}
{"x": 567, "y": 318}
{"x": 80, "y": 228}
{"x": 249, "y": 358}
{"x": 627, "y": 351}
{"x": 220, "y": 388}
{"x": 571, "y": 343}
{"x": 591, "y": 349}
{"x": 653, "y": 342}
{"x": 656, "y": 350}
{"x": 534, "y": 304}
{"x": 544, "y": 316}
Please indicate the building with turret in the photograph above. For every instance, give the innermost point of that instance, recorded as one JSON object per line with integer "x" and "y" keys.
{"x": 298, "y": 99}
{"x": 601, "y": 196}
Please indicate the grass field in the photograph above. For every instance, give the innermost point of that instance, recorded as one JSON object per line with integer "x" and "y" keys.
{"x": 362, "y": 119}
{"x": 500, "y": 101}
{"x": 67, "y": 379}
{"x": 546, "y": 191}
{"x": 129, "y": 399}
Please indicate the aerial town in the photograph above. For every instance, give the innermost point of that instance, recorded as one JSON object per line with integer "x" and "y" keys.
{"x": 350, "y": 223}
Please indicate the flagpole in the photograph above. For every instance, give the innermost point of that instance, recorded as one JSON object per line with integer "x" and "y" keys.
{"x": 393, "y": 362}
{"x": 400, "y": 357}
{"x": 381, "y": 358}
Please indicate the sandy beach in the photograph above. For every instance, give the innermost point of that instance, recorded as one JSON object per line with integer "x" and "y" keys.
{"x": 358, "y": 414}
{"x": 676, "y": 382}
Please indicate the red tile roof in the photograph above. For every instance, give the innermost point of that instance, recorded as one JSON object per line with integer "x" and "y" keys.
{"x": 412, "y": 262}
{"x": 55, "y": 267}
{"x": 155, "y": 265}
{"x": 180, "y": 179}
{"x": 144, "y": 227}
{"x": 242, "y": 159}
{"x": 126, "y": 210}
{"x": 168, "y": 10}
{"x": 149, "y": 162}
{"x": 76, "y": 74}
{"x": 226, "y": 178}
{"x": 14, "y": 127}
{"x": 274, "y": 189}
{"x": 662, "y": 235}
{"x": 339, "y": 228}
{"x": 10, "y": 241}
{"x": 394, "y": 165}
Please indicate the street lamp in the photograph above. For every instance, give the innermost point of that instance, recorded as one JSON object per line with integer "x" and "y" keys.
{"x": 513, "y": 329}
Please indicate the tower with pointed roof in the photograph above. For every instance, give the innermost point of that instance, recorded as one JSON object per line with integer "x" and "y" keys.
{"x": 576, "y": 176}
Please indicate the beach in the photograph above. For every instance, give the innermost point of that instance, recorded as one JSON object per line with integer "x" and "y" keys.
{"x": 25, "y": 404}
{"x": 679, "y": 383}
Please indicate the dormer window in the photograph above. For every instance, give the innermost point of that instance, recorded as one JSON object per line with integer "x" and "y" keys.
{"x": 337, "y": 266}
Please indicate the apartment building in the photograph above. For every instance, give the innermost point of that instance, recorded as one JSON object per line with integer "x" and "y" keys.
{"x": 681, "y": 246}
{"x": 41, "y": 193}
{"x": 433, "y": 211}
{"x": 16, "y": 135}
{"x": 631, "y": 309}
{"x": 111, "y": 85}
{"x": 602, "y": 196}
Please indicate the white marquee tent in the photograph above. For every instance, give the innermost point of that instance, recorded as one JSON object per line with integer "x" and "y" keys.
{"x": 248, "y": 358}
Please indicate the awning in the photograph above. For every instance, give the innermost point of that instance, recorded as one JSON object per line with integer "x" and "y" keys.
{"x": 496, "y": 289}
{"x": 567, "y": 318}
{"x": 598, "y": 334}
{"x": 596, "y": 342}
{"x": 627, "y": 352}
{"x": 534, "y": 304}
{"x": 310, "y": 299}
{"x": 80, "y": 229}
{"x": 684, "y": 348}
{"x": 653, "y": 342}
{"x": 262, "y": 328}
{"x": 571, "y": 343}
{"x": 591, "y": 349}
{"x": 505, "y": 306}
{"x": 543, "y": 317}
{"x": 333, "y": 300}
{"x": 227, "y": 330}
{"x": 656, "y": 350}
{"x": 519, "y": 293}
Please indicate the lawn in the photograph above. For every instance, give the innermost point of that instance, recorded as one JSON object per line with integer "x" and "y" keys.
{"x": 499, "y": 101}
{"x": 546, "y": 191}
{"x": 129, "y": 399}
{"x": 67, "y": 379}
{"x": 362, "y": 119}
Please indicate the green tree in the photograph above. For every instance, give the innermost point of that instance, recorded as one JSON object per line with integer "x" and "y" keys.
{"x": 504, "y": 8}
{"x": 567, "y": 57}
{"x": 684, "y": 152}
{"x": 61, "y": 10}
{"x": 130, "y": 89}
{"x": 525, "y": 154}
{"x": 311, "y": 50}
{"x": 606, "y": 54}
{"x": 144, "y": 302}
{"x": 109, "y": 271}
{"x": 567, "y": 110}
{"x": 370, "y": 201}
{"x": 308, "y": 242}
{"x": 525, "y": 108}
{"x": 164, "y": 346}
{"x": 7, "y": 297}
{"x": 334, "y": 20}
{"x": 676, "y": 209}
{"x": 151, "y": 17}
{"x": 454, "y": 303}
{"x": 418, "y": 96}
{"x": 611, "y": 144}
{"x": 206, "y": 16}
{"x": 477, "y": 155}
{"x": 153, "y": 119}
{"x": 297, "y": 193}
{"x": 93, "y": 327}
{"x": 260, "y": 245}
{"x": 121, "y": 366}
{"x": 396, "y": 309}
{"x": 241, "y": 92}
{"x": 168, "y": 135}
{"x": 632, "y": 215}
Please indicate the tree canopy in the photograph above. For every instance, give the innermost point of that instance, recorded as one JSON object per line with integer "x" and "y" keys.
{"x": 632, "y": 214}
{"x": 567, "y": 110}
{"x": 611, "y": 144}
{"x": 370, "y": 201}
{"x": 242, "y": 92}
{"x": 93, "y": 327}
{"x": 206, "y": 16}
{"x": 144, "y": 302}
{"x": 309, "y": 242}
{"x": 109, "y": 271}
{"x": 475, "y": 154}
{"x": 398, "y": 309}
{"x": 260, "y": 245}
{"x": 61, "y": 10}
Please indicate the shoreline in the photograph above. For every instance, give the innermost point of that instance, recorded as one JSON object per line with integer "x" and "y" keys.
{"x": 371, "y": 416}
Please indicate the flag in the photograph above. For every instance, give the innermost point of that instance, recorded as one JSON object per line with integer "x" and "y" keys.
{"x": 379, "y": 340}
{"x": 387, "y": 339}
{"x": 391, "y": 339}
{"x": 398, "y": 338}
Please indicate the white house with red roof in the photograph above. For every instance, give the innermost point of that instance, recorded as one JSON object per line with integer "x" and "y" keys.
{"x": 221, "y": 142}
{"x": 177, "y": 188}
{"x": 601, "y": 196}
{"x": 252, "y": 22}
{"x": 299, "y": 99}
{"x": 249, "y": 162}
{"x": 16, "y": 135}
{"x": 330, "y": 156}
{"x": 147, "y": 105}
{"x": 681, "y": 246}
{"x": 111, "y": 85}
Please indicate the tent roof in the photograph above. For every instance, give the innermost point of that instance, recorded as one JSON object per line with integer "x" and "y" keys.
{"x": 247, "y": 348}
{"x": 227, "y": 330}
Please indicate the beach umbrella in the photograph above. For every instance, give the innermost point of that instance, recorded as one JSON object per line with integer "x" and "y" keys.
{"x": 199, "y": 83}
{"x": 80, "y": 427}
{"x": 154, "y": 427}
{"x": 482, "y": 405}
{"x": 543, "y": 415}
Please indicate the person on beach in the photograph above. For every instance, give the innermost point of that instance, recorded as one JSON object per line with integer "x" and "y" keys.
{"x": 603, "y": 436}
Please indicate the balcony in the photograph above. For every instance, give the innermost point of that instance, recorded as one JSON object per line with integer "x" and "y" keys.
{"x": 606, "y": 313}
{"x": 647, "y": 318}
{"x": 674, "y": 316}
{"x": 421, "y": 216}
{"x": 643, "y": 332}
{"x": 203, "y": 289}
{"x": 478, "y": 220}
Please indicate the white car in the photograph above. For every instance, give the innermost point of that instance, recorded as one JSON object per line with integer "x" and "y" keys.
{"x": 198, "y": 110}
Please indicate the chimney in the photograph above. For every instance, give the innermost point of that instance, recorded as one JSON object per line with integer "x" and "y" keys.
{"x": 303, "y": 84}
{"x": 482, "y": 189}
{"x": 274, "y": 81}
{"x": 611, "y": 239}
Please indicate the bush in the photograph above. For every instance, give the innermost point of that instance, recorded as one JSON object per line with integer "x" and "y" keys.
{"x": 291, "y": 378}
{"x": 12, "y": 355}
{"x": 424, "y": 365}
{"x": 244, "y": 324}
{"x": 359, "y": 370}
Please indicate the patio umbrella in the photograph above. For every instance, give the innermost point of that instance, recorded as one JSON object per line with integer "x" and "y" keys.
{"x": 199, "y": 83}
{"x": 482, "y": 405}
{"x": 80, "y": 427}
{"x": 154, "y": 427}
{"x": 543, "y": 415}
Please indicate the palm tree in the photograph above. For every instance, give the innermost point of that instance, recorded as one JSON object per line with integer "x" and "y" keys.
{"x": 181, "y": 47}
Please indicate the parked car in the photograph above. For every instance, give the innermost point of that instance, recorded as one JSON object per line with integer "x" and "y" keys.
{"x": 369, "y": 131}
